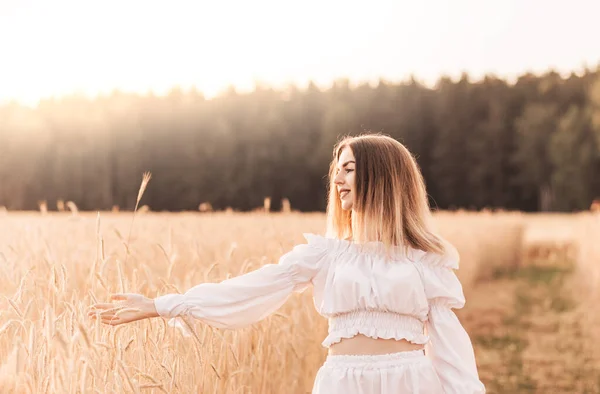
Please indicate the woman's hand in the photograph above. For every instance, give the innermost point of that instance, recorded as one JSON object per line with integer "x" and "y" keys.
{"x": 129, "y": 307}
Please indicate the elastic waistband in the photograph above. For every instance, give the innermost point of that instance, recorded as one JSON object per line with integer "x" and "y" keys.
{"x": 375, "y": 361}
{"x": 375, "y": 324}
{"x": 375, "y": 318}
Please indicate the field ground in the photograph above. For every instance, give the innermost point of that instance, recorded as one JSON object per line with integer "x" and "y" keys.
{"x": 528, "y": 336}
{"x": 530, "y": 281}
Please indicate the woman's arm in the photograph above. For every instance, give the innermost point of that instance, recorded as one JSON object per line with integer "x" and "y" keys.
{"x": 243, "y": 300}
{"x": 449, "y": 348}
{"x": 451, "y": 352}
{"x": 239, "y": 301}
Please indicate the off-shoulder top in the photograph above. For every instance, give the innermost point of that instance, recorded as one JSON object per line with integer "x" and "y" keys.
{"x": 360, "y": 290}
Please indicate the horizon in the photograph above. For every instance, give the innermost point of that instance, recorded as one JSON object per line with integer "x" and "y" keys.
{"x": 94, "y": 50}
{"x": 509, "y": 80}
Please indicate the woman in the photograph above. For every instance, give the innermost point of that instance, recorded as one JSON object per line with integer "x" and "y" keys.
{"x": 381, "y": 276}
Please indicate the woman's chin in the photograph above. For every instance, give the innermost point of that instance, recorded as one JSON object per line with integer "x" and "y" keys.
{"x": 346, "y": 206}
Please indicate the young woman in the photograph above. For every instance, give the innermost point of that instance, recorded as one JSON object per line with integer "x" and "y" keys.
{"x": 381, "y": 276}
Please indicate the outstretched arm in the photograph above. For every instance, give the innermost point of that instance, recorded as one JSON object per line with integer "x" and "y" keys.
{"x": 235, "y": 302}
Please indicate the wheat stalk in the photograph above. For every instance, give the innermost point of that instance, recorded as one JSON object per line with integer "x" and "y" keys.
{"x": 145, "y": 179}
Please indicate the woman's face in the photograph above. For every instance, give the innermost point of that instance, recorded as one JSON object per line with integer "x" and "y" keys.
{"x": 344, "y": 178}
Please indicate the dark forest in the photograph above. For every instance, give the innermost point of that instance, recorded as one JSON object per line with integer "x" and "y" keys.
{"x": 531, "y": 145}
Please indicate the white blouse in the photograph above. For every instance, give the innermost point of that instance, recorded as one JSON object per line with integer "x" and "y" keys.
{"x": 360, "y": 292}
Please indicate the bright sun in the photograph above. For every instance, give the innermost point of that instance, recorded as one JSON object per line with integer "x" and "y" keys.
{"x": 64, "y": 46}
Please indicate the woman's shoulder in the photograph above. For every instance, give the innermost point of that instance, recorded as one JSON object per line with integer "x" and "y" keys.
{"x": 449, "y": 259}
{"x": 329, "y": 244}
{"x": 347, "y": 245}
{"x": 320, "y": 241}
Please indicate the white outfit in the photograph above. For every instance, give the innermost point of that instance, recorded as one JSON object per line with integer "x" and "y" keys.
{"x": 409, "y": 296}
{"x": 397, "y": 373}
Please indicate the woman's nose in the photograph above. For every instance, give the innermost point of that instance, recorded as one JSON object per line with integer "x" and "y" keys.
{"x": 338, "y": 180}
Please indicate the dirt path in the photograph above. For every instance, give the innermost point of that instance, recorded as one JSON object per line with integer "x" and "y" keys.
{"x": 527, "y": 334}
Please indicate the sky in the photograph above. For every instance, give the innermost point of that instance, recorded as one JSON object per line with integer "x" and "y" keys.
{"x": 60, "y": 47}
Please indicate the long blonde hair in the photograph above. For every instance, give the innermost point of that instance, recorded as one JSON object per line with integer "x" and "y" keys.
{"x": 390, "y": 204}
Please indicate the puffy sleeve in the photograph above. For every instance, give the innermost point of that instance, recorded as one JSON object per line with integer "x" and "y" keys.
{"x": 449, "y": 347}
{"x": 246, "y": 299}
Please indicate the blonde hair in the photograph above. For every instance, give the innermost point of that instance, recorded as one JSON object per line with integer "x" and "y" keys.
{"x": 390, "y": 204}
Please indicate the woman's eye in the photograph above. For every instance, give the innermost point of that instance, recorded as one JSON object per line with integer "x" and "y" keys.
{"x": 348, "y": 170}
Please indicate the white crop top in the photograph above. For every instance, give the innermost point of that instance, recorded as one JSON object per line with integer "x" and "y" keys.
{"x": 408, "y": 297}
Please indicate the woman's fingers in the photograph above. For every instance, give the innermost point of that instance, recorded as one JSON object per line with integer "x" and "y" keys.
{"x": 105, "y": 310}
{"x": 109, "y": 305}
{"x": 117, "y": 315}
{"x": 124, "y": 308}
{"x": 102, "y": 315}
{"x": 119, "y": 297}
{"x": 113, "y": 320}
{"x": 105, "y": 316}
{"x": 102, "y": 306}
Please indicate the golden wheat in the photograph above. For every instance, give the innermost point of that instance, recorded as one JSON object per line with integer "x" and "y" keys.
{"x": 53, "y": 268}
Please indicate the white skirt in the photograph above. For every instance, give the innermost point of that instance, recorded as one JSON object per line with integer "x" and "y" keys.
{"x": 408, "y": 372}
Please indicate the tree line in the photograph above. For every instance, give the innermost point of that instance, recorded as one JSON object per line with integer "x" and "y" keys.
{"x": 531, "y": 145}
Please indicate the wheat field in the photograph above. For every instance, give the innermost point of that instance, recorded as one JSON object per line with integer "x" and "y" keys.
{"x": 530, "y": 282}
